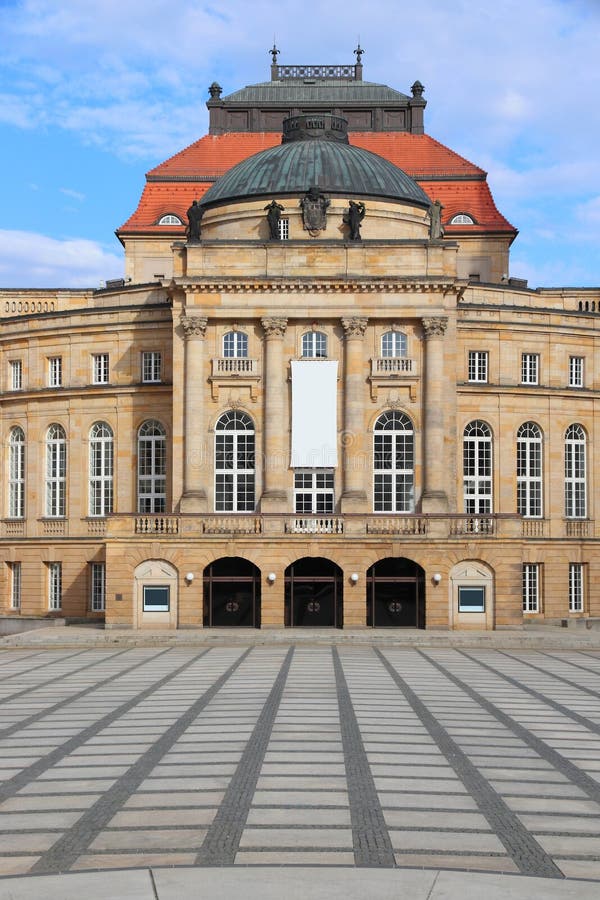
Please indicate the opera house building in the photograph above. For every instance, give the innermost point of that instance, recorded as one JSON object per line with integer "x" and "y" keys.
{"x": 317, "y": 397}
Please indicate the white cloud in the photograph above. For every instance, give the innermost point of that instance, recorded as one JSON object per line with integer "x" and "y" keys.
{"x": 75, "y": 195}
{"x": 40, "y": 261}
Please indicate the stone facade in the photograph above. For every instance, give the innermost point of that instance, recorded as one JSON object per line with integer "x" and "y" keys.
{"x": 472, "y": 364}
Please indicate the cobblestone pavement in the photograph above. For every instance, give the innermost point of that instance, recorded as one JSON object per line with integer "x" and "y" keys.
{"x": 445, "y": 758}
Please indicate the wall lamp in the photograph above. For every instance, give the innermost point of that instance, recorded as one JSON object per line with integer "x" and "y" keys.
{"x": 271, "y": 577}
{"x": 354, "y": 577}
{"x": 436, "y": 578}
{"x": 189, "y": 577}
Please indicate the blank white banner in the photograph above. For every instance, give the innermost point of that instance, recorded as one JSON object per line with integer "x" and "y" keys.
{"x": 314, "y": 414}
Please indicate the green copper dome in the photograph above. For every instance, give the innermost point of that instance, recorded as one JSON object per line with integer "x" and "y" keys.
{"x": 315, "y": 152}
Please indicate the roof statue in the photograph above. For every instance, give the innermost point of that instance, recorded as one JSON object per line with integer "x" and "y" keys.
{"x": 274, "y": 210}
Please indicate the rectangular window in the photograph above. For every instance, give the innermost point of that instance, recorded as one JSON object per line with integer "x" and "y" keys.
{"x": 478, "y": 365}
{"x": 313, "y": 491}
{"x": 531, "y": 587}
{"x": 530, "y": 364}
{"x": 16, "y": 375}
{"x": 54, "y": 585}
{"x": 156, "y": 598}
{"x": 15, "y": 585}
{"x": 284, "y": 229}
{"x": 100, "y": 368}
{"x": 576, "y": 371}
{"x": 575, "y": 587}
{"x": 151, "y": 366}
{"x": 471, "y": 599}
{"x": 55, "y": 371}
{"x": 98, "y": 587}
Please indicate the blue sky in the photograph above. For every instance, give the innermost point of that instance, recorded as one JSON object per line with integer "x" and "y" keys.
{"x": 92, "y": 95}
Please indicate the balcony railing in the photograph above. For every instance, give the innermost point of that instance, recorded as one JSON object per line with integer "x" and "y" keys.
{"x": 393, "y": 365}
{"x": 156, "y": 525}
{"x": 315, "y": 525}
{"x": 579, "y": 528}
{"x": 235, "y": 365}
{"x": 270, "y": 526}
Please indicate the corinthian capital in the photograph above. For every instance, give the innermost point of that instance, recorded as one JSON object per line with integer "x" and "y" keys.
{"x": 435, "y": 326}
{"x": 193, "y": 325}
{"x": 274, "y": 325}
{"x": 354, "y": 326}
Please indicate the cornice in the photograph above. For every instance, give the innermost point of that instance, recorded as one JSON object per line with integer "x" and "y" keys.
{"x": 312, "y": 286}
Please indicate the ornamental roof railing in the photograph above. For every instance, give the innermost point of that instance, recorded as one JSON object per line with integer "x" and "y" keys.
{"x": 350, "y": 72}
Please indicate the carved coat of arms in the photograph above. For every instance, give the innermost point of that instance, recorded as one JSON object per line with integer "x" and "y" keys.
{"x": 314, "y": 211}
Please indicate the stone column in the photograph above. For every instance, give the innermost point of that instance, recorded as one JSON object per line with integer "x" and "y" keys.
{"x": 435, "y": 468}
{"x": 194, "y": 499}
{"x": 275, "y": 422}
{"x": 354, "y": 470}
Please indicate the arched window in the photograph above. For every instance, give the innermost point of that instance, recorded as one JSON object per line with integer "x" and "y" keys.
{"x": 529, "y": 470}
{"x": 170, "y": 219}
{"x": 462, "y": 219}
{"x": 575, "y": 472}
{"x": 314, "y": 345}
{"x": 101, "y": 470}
{"x": 16, "y": 473}
{"x": 235, "y": 344}
{"x": 393, "y": 464}
{"x": 56, "y": 471}
{"x": 152, "y": 468}
{"x": 393, "y": 343}
{"x": 234, "y": 463}
{"x": 477, "y": 468}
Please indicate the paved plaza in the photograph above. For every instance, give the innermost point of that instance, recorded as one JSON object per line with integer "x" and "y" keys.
{"x": 374, "y": 757}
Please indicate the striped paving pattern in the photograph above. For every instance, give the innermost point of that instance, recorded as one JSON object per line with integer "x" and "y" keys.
{"x": 280, "y": 755}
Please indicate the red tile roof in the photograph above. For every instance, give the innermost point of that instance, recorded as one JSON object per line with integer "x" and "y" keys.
{"x": 172, "y": 185}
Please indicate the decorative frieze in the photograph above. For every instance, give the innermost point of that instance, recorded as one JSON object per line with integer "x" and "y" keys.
{"x": 193, "y": 326}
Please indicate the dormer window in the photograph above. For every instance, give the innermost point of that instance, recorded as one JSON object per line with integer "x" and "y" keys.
{"x": 170, "y": 219}
{"x": 462, "y": 219}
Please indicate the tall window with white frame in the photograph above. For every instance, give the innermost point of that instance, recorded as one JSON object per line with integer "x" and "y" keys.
{"x": 576, "y": 371}
{"x": 54, "y": 585}
{"x": 393, "y": 463}
{"x": 313, "y": 491}
{"x": 478, "y": 366}
{"x": 530, "y": 366}
{"x": 55, "y": 378}
{"x": 101, "y": 469}
{"x": 576, "y": 587}
{"x": 235, "y": 344}
{"x": 284, "y": 228}
{"x": 15, "y": 585}
{"x": 393, "y": 344}
{"x": 234, "y": 463}
{"x": 529, "y": 471}
{"x": 100, "y": 368}
{"x": 16, "y": 375}
{"x": 56, "y": 471}
{"x": 152, "y": 468}
{"x": 575, "y": 472}
{"x": 151, "y": 366}
{"x": 16, "y": 473}
{"x": 477, "y": 468}
{"x": 98, "y": 587}
{"x": 314, "y": 345}
{"x": 531, "y": 587}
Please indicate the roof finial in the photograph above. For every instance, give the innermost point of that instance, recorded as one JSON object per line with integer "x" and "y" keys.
{"x": 274, "y": 52}
{"x": 359, "y": 52}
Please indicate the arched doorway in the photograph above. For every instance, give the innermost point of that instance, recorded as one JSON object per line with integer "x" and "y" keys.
{"x": 396, "y": 594}
{"x": 314, "y": 593}
{"x": 231, "y": 593}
